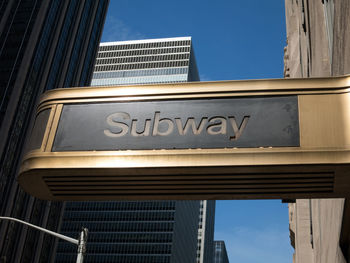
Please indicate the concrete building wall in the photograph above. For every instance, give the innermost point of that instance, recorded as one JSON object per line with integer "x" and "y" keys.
{"x": 299, "y": 225}
{"x": 318, "y": 45}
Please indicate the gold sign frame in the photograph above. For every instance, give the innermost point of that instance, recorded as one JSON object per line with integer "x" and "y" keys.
{"x": 319, "y": 168}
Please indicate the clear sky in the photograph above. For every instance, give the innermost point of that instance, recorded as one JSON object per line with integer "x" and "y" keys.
{"x": 232, "y": 40}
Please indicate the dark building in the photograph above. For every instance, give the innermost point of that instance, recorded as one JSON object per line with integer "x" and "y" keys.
{"x": 135, "y": 231}
{"x": 206, "y": 231}
{"x": 147, "y": 231}
{"x": 318, "y": 45}
{"x": 43, "y": 45}
{"x": 220, "y": 253}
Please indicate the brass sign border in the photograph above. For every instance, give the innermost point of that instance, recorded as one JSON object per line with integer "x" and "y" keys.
{"x": 318, "y": 86}
{"x": 234, "y": 88}
{"x": 313, "y": 150}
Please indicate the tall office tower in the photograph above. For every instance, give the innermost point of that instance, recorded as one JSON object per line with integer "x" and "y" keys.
{"x": 132, "y": 231}
{"x": 43, "y": 45}
{"x": 220, "y": 253}
{"x": 147, "y": 231}
{"x": 163, "y": 60}
{"x": 206, "y": 231}
{"x": 318, "y": 45}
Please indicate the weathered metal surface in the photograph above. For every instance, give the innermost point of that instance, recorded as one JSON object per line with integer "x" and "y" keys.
{"x": 179, "y": 124}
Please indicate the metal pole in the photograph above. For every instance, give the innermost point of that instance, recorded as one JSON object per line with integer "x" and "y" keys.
{"x": 82, "y": 245}
{"x": 81, "y": 242}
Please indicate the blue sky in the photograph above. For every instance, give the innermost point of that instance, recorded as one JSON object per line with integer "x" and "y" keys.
{"x": 232, "y": 40}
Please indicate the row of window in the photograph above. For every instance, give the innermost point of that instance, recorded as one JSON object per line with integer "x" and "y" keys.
{"x": 114, "y": 248}
{"x": 131, "y": 226}
{"x": 136, "y": 73}
{"x": 179, "y": 56}
{"x": 142, "y": 52}
{"x": 134, "y": 237}
{"x": 120, "y": 206}
{"x": 129, "y": 237}
{"x": 146, "y": 45}
{"x": 140, "y": 80}
{"x": 87, "y": 216}
{"x": 164, "y": 64}
{"x": 103, "y": 258}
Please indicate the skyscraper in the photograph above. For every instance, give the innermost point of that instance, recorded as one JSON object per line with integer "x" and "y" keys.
{"x": 318, "y": 45}
{"x": 135, "y": 231}
{"x": 164, "y": 60}
{"x": 206, "y": 231}
{"x": 145, "y": 231}
{"x": 220, "y": 253}
{"x": 43, "y": 45}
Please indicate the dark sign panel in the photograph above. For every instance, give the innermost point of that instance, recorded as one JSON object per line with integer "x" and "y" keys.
{"x": 179, "y": 124}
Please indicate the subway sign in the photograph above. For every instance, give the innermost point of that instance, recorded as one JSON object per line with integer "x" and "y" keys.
{"x": 283, "y": 138}
{"x": 179, "y": 124}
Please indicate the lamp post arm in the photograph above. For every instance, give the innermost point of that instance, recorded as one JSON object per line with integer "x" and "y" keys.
{"x": 69, "y": 239}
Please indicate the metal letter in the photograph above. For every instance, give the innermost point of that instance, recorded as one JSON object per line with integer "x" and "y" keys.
{"x": 191, "y": 122}
{"x": 124, "y": 127}
{"x": 217, "y": 128}
{"x": 238, "y": 131}
{"x": 145, "y": 131}
{"x": 157, "y": 121}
